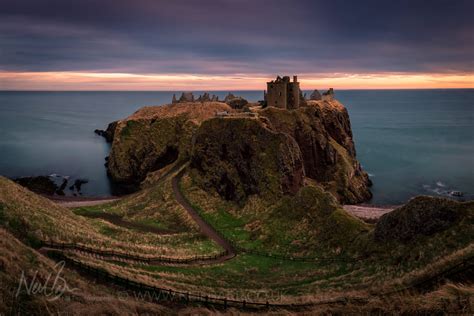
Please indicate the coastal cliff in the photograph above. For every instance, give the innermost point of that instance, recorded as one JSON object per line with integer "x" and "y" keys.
{"x": 268, "y": 151}
{"x": 323, "y": 132}
{"x": 240, "y": 157}
{"x": 154, "y": 137}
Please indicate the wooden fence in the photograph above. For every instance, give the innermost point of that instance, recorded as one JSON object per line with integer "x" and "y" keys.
{"x": 163, "y": 294}
{"x": 121, "y": 255}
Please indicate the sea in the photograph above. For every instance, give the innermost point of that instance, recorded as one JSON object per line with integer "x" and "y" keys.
{"x": 411, "y": 142}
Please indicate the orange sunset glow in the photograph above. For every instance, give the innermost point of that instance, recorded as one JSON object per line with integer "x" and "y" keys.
{"x": 127, "y": 81}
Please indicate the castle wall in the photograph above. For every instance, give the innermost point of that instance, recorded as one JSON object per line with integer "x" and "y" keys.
{"x": 293, "y": 95}
{"x": 277, "y": 94}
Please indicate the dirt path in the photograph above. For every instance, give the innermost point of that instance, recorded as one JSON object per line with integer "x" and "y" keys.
{"x": 206, "y": 229}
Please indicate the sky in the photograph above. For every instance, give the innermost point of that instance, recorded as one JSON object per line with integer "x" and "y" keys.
{"x": 235, "y": 44}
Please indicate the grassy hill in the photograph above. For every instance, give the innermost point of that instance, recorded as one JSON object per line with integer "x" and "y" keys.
{"x": 309, "y": 223}
{"x": 33, "y": 218}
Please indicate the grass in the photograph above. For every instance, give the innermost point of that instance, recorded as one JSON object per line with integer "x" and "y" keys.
{"x": 154, "y": 206}
{"x": 310, "y": 224}
{"x": 391, "y": 265}
{"x": 33, "y": 218}
{"x": 88, "y": 298}
{"x": 388, "y": 265}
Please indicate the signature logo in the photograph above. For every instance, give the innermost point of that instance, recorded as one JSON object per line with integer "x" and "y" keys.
{"x": 53, "y": 287}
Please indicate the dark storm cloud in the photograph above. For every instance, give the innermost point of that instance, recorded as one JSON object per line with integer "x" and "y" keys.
{"x": 230, "y": 36}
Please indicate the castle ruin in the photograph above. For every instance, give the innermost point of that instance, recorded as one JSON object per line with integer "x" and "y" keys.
{"x": 282, "y": 93}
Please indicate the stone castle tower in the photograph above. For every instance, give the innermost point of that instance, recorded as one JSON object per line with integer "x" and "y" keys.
{"x": 282, "y": 93}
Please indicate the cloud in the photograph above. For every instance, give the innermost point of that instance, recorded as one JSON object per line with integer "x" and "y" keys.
{"x": 227, "y": 37}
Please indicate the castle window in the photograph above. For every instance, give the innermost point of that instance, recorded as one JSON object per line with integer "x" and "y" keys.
{"x": 280, "y": 93}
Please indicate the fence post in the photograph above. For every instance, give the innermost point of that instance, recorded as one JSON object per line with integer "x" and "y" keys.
{"x": 267, "y": 305}
{"x": 187, "y": 296}
{"x": 244, "y": 303}
{"x": 225, "y": 302}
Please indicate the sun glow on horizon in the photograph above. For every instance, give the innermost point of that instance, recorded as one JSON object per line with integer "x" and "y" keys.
{"x": 63, "y": 81}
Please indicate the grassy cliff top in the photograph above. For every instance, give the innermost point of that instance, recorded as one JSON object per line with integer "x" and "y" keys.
{"x": 327, "y": 105}
{"x": 194, "y": 110}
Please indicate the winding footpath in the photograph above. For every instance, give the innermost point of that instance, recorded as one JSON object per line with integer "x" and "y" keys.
{"x": 230, "y": 252}
{"x": 206, "y": 229}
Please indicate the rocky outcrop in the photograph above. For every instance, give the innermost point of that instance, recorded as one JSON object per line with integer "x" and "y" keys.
{"x": 155, "y": 137}
{"x": 40, "y": 184}
{"x": 235, "y": 102}
{"x": 315, "y": 95}
{"x": 238, "y": 154}
{"x": 421, "y": 216}
{"x": 239, "y": 157}
{"x": 109, "y": 133}
{"x": 323, "y": 132}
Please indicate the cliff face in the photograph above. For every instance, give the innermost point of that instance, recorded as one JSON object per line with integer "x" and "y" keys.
{"x": 154, "y": 137}
{"x": 241, "y": 157}
{"x": 323, "y": 132}
{"x": 268, "y": 154}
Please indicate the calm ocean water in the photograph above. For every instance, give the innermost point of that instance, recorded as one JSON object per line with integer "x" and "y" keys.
{"x": 410, "y": 141}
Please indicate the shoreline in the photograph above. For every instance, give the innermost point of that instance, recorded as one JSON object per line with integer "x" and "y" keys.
{"x": 368, "y": 212}
{"x": 364, "y": 211}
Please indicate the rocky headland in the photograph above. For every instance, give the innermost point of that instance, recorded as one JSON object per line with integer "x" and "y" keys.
{"x": 238, "y": 152}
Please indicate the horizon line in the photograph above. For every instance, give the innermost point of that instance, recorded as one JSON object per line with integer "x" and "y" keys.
{"x": 100, "y": 81}
{"x": 229, "y": 90}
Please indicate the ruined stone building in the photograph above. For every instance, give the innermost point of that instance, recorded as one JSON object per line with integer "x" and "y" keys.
{"x": 328, "y": 95}
{"x": 282, "y": 93}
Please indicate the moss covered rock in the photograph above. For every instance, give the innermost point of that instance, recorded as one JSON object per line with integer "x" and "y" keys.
{"x": 323, "y": 132}
{"x": 239, "y": 157}
{"x": 155, "y": 137}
